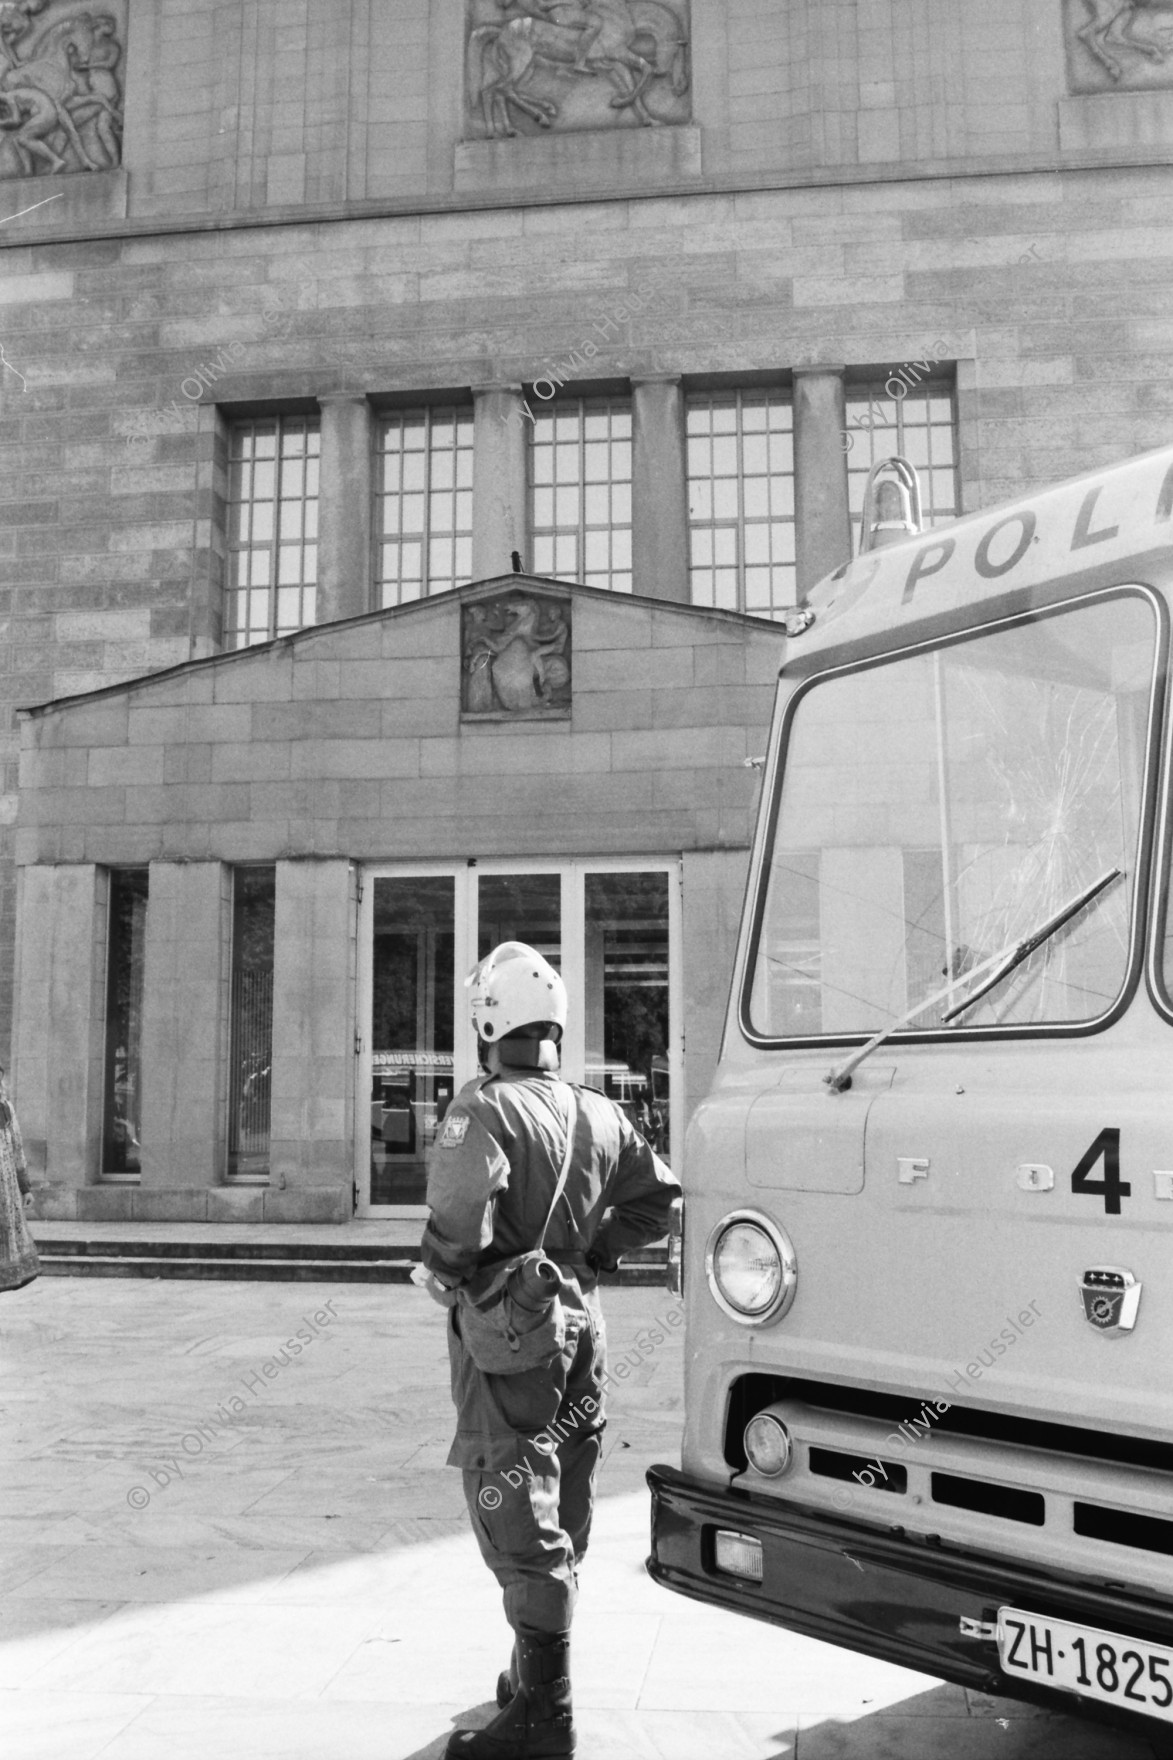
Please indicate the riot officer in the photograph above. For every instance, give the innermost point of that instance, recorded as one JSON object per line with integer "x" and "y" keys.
{"x": 528, "y": 1444}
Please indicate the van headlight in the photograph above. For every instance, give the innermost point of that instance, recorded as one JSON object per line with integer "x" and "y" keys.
{"x": 751, "y": 1267}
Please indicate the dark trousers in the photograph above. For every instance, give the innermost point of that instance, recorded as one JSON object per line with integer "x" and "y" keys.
{"x": 532, "y": 1518}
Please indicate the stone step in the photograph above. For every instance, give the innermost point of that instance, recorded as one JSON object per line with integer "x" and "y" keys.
{"x": 220, "y": 1269}
{"x": 299, "y": 1262}
{"x": 111, "y": 1247}
{"x": 108, "y": 1247}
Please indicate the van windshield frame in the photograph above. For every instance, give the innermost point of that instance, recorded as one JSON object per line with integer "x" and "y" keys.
{"x": 1001, "y": 847}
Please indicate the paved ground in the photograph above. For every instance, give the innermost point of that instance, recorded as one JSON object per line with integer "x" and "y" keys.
{"x": 290, "y": 1576}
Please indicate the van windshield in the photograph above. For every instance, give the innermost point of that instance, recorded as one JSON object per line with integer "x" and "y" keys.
{"x": 937, "y": 806}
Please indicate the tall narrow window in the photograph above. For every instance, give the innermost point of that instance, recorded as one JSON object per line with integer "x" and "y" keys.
{"x": 424, "y": 512}
{"x": 122, "y": 1108}
{"x": 625, "y": 997}
{"x": 272, "y": 529}
{"x": 413, "y": 1005}
{"x": 250, "y": 1051}
{"x": 741, "y": 501}
{"x": 921, "y": 426}
{"x": 580, "y": 493}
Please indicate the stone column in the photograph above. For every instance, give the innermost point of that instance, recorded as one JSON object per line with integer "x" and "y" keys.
{"x": 56, "y": 1075}
{"x": 822, "y": 522}
{"x": 346, "y": 481}
{"x": 185, "y": 1033}
{"x": 659, "y": 489}
{"x": 311, "y": 1151}
{"x": 500, "y": 515}
{"x": 209, "y": 572}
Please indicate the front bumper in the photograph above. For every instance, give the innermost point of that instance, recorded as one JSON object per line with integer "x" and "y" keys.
{"x": 882, "y": 1591}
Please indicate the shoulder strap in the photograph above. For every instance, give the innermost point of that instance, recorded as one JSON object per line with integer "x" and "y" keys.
{"x": 571, "y": 1122}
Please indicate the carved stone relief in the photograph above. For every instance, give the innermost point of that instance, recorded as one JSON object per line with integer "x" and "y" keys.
{"x": 573, "y": 64}
{"x": 60, "y": 87}
{"x": 1118, "y": 45}
{"x": 516, "y": 655}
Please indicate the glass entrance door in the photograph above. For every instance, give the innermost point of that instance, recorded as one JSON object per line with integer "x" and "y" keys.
{"x": 627, "y": 995}
{"x": 520, "y": 907}
{"x": 412, "y": 948}
{"x": 610, "y": 927}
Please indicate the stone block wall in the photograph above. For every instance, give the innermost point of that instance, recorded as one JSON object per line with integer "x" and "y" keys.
{"x": 330, "y": 748}
{"x": 130, "y": 354}
{"x": 57, "y": 1056}
{"x": 292, "y": 225}
{"x": 312, "y": 1144}
{"x": 235, "y": 108}
{"x": 184, "y": 1033}
{"x": 280, "y": 103}
{"x": 347, "y": 742}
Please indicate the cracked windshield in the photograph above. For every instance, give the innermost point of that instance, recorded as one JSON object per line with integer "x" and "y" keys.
{"x": 938, "y": 808}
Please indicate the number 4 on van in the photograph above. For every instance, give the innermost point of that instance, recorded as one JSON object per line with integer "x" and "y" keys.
{"x": 1112, "y": 1188}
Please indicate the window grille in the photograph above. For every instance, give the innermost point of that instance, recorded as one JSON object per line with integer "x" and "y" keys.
{"x": 424, "y": 514}
{"x": 272, "y": 529}
{"x": 741, "y": 501}
{"x": 580, "y": 492}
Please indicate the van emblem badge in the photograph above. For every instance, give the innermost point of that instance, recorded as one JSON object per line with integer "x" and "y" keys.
{"x": 1111, "y": 1297}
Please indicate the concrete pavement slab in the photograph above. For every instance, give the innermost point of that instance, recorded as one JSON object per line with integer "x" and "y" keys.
{"x": 911, "y": 1738}
{"x": 74, "y": 1726}
{"x": 33, "y": 1632}
{"x": 300, "y": 1582}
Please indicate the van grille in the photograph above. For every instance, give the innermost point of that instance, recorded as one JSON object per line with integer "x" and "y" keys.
{"x": 751, "y": 1393}
{"x": 832, "y": 1463}
{"x": 1145, "y": 1533}
{"x": 989, "y": 1500}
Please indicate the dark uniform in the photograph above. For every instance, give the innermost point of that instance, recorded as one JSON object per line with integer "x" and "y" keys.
{"x": 529, "y": 1444}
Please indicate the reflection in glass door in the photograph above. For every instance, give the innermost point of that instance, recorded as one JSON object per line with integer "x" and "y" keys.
{"x": 412, "y": 972}
{"x": 610, "y": 926}
{"x": 520, "y": 907}
{"x": 626, "y": 997}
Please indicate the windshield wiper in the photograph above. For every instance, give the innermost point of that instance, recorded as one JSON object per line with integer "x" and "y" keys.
{"x": 991, "y": 971}
{"x": 1024, "y": 948}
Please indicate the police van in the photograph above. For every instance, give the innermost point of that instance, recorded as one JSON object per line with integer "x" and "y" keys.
{"x": 929, "y": 1253}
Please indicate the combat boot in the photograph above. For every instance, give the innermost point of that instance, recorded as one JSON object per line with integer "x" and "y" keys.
{"x": 538, "y": 1722}
{"x": 507, "y": 1682}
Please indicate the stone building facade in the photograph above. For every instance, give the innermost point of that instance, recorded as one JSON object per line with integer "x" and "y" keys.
{"x": 330, "y": 755}
{"x": 643, "y": 288}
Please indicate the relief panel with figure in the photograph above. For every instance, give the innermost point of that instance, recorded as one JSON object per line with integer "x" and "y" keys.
{"x": 1118, "y": 45}
{"x": 533, "y": 65}
{"x": 515, "y": 651}
{"x": 60, "y": 87}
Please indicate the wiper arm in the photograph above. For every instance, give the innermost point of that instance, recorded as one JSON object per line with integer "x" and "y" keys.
{"x": 1023, "y": 949}
{"x": 991, "y": 971}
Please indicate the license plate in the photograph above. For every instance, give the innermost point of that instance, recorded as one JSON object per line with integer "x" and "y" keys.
{"x": 1079, "y": 1659}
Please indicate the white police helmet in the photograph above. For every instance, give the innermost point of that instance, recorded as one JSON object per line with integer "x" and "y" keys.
{"x": 514, "y": 987}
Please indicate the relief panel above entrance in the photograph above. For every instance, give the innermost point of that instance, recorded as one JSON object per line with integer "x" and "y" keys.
{"x": 538, "y": 65}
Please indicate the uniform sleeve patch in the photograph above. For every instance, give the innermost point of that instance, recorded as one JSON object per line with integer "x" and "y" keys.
{"x": 454, "y": 1132}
